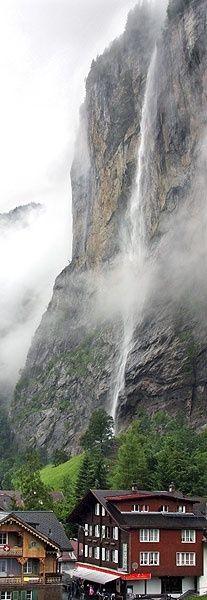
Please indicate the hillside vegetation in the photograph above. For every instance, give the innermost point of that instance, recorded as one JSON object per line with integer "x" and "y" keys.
{"x": 54, "y": 476}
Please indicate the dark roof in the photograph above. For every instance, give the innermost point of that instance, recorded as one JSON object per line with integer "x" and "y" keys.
{"x": 110, "y": 495}
{"x": 163, "y": 521}
{"x": 138, "y": 520}
{"x": 46, "y": 523}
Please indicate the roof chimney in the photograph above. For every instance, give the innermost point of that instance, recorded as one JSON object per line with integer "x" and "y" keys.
{"x": 134, "y": 487}
{"x": 172, "y": 487}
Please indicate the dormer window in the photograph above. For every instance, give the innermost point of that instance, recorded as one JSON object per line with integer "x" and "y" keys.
{"x": 136, "y": 508}
{"x": 164, "y": 508}
{"x": 181, "y": 508}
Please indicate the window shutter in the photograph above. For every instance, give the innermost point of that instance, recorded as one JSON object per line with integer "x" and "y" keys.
{"x": 86, "y": 551}
{"x": 103, "y": 553}
{"x": 15, "y": 595}
{"x": 116, "y": 556}
{"x": 23, "y": 595}
{"x": 103, "y": 531}
{"x": 86, "y": 528}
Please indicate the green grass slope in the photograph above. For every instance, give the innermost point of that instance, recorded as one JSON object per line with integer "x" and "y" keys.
{"x": 53, "y": 476}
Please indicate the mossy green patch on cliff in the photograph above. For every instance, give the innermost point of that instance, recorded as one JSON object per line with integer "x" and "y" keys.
{"x": 54, "y": 476}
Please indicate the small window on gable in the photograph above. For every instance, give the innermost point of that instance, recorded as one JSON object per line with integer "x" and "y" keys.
{"x": 103, "y": 511}
{"x": 3, "y": 539}
{"x": 97, "y": 508}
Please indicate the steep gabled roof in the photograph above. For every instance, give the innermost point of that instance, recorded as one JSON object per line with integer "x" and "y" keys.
{"x": 46, "y": 523}
{"x": 13, "y": 518}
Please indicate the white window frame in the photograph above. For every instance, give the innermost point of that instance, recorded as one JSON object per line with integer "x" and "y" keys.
{"x": 97, "y": 531}
{"x": 90, "y": 530}
{"x": 86, "y": 550}
{"x": 107, "y": 556}
{"x": 185, "y": 559}
{"x": 188, "y": 536}
{"x": 6, "y": 595}
{"x": 145, "y": 508}
{"x": 115, "y": 533}
{"x": 103, "y": 531}
{"x": 115, "y": 556}
{"x": 149, "y": 535}
{"x": 108, "y": 531}
{"x": 136, "y": 508}
{"x": 164, "y": 508}
{"x": 103, "y": 511}
{"x": 86, "y": 529}
{"x": 97, "y": 552}
{"x": 181, "y": 508}
{"x": 97, "y": 509}
{"x": 149, "y": 558}
{"x": 103, "y": 554}
{"x": 90, "y": 552}
{"x": 29, "y": 594}
{"x": 5, "y": 542}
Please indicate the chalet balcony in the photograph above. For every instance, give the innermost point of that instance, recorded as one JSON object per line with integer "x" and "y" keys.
{"x": 6, "y": 551}
{"x": 18, "y": 580}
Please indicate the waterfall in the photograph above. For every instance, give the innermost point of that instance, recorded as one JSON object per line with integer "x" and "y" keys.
{"x": 134, "y": 243}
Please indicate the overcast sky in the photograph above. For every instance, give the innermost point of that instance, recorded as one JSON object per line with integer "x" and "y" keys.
{"x": 46, "y": 47}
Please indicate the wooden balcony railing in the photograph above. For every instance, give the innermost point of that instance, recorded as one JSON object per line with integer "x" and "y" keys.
{"x": 12, "y": 580}
{"x": 13, "y": 551}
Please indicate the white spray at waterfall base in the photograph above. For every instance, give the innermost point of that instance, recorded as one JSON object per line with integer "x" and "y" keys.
{"x": 134, "y": 253}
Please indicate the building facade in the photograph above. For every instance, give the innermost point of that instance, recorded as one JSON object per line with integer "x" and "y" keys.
{"x": 28, "y": 554}
{"x": 147, "y": 542}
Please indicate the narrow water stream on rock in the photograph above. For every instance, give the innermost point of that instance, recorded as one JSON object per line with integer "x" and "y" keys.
{"x": 134, "y": 239}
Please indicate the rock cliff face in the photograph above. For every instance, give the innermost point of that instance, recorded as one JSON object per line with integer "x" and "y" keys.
{"x": 72, "y": 363}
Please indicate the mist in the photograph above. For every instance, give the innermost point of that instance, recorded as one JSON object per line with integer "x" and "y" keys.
{"x": 46, "y": 51}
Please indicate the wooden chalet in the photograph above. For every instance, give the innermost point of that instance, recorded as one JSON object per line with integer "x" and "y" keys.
{"x": 30, "y": 544}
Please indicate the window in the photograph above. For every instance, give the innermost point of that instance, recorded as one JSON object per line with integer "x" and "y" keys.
{"x": 145, "y": 508}
{"x": 31, "y": 566}
{"x": 90, "y": 530}
{"x": 149, "y": 558}
{"x": 115, "y": 556}
{"x": 135, "y": 508}
{"x": 3, "y": 539}
{"x": 97, "y": 552}
{"x": 164, "y": 508}
{"x": 3, "y": 565}
{"x": 86, "y": 551}
{"x": 90, "y": 551}
{"x": 103, "y": 553}
{"x": 108, "y": 532}
{"x": 29, "y": 595}
{"x": 149, "y": 535}
{"x": 103, "y": 511}
{"x": 86, "y": 529}
{"x": 103, "y": 531}
{"x": 97, "y": 509}
{"x": 185, "y": 559}
{"x": 188, "y": 535}
{"x": 181, "y": 508}
{"x": 97, "y": 530}
{"x": 115, "y": 533}
{"x": 107, "y": 555}
{"x": 5, "y": 595}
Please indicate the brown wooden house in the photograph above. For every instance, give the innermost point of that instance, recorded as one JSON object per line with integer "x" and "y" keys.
{"x": 28, "y": 555}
